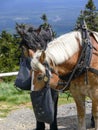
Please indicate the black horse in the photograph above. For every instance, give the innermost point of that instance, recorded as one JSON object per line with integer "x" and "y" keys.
{"x": 34, "y": 39}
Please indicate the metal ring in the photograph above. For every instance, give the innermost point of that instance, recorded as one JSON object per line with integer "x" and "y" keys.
{"x": 46, "y": 78}
{"x": 86, "y": 40}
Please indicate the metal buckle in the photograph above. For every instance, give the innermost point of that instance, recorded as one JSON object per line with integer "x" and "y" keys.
{"x": 46, "y": 78}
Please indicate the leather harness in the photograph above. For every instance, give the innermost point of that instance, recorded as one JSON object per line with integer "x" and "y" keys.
{"x": 83, "y": 64}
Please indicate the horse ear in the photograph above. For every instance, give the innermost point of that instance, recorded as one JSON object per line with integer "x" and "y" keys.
{"x": 38, "y": 30}
{"x": 42, "y": 57}
{"x": 31, "y": 53}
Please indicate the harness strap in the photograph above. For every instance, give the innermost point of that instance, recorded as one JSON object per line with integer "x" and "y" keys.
{"x": 74, "y": 70}
{"x": 95, "y": 71}
{"x": 85, "y": 57}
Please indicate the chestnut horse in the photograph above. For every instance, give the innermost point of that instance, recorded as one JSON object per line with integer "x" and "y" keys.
{"x": 62, "y": 55}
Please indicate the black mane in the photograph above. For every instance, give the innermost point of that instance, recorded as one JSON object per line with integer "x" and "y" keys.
{"x": 34, "y": 38}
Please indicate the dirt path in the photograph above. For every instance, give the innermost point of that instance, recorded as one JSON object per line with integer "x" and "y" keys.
{"x": 24, "y": 119}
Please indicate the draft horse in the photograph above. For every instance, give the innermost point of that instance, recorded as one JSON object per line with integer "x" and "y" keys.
{"x": 62, "y": 55}
{"x": 33, "y": 39}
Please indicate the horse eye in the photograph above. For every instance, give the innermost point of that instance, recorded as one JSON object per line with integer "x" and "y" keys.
{"x": 40, "y": 77}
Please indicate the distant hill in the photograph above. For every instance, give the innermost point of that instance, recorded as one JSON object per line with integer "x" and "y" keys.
{"x": 61, "y": 14}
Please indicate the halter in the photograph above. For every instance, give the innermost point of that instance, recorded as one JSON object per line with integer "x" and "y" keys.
{"x": 48, "y": 70}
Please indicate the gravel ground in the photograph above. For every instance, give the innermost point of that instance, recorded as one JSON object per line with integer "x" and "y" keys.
{"x": 24, "y": 119}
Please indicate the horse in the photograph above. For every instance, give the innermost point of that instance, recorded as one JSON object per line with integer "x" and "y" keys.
{"x": 33, "y": 39}
{"x": 62, "y": 55}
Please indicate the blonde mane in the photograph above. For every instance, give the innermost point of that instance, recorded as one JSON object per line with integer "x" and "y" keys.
{"x": 63, "y": 47}
{"x": 58, "y": 50}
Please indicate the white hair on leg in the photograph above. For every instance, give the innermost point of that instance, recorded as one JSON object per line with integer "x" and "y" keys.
{"x": 32, "y": 85}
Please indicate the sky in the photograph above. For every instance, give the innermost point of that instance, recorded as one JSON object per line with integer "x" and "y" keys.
{"x": 61, "y": 13}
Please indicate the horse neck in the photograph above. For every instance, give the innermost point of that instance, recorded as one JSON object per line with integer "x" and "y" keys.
{"x": 63, "y": 53}
{"x": 65, "y": 67}
{"x": 69, "y": 64}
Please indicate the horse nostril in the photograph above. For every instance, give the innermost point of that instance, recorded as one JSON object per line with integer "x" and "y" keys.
{"x": 40, "y": 77}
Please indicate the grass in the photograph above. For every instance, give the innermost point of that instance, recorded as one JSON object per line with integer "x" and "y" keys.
{"x": 65, "y": 98}
{"x": 11, "y": 98}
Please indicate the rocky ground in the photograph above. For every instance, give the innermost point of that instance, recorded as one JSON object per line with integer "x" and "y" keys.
{"x": 24, "y": 119}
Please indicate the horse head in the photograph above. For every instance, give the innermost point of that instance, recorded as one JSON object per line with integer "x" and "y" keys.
{"x": 43, "y": 72}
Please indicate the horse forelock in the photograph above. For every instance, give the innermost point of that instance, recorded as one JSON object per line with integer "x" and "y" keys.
{"x": 35, "y": 64}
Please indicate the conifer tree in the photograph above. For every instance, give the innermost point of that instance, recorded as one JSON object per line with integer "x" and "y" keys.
{"x": 46, "y": 24}
{"x": 90, "y": 15}
{"x": 9, "y": 56}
